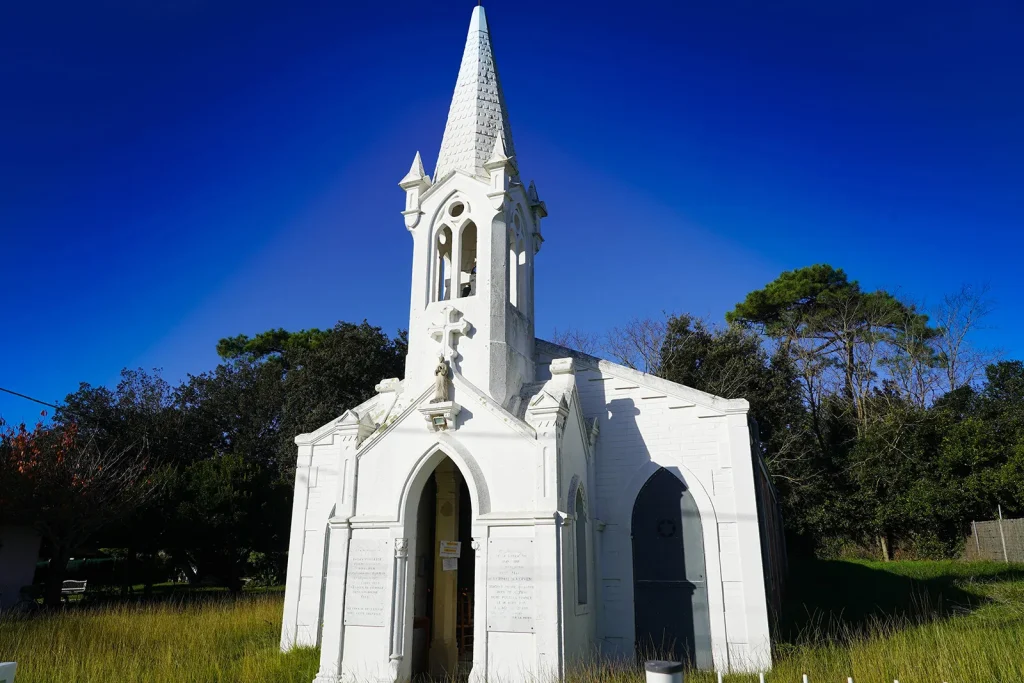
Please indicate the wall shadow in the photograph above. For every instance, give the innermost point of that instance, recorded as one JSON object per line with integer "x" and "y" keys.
{"x": 838, "y": 600}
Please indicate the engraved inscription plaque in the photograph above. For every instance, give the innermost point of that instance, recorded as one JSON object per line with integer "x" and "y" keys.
{"x": 510, "y": 570}
{"x": 366, "y": 582}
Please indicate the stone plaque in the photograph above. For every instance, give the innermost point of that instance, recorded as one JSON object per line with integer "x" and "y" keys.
{"x": 510, "y": 570}
{"x": 366, "y": 582}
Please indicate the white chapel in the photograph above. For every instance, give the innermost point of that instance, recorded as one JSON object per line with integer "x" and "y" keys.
{"x": 512, "y": 507}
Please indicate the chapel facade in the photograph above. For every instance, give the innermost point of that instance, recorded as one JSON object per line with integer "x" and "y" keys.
{"x": 512, "y": 506}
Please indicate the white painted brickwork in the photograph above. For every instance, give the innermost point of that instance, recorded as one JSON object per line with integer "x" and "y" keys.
{"x": 694, "y": 435}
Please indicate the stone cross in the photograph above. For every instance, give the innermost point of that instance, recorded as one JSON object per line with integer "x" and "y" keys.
{"x": 446, "y": 331}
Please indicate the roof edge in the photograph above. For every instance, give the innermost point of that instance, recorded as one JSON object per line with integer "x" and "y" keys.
{"x": 681, "y": 391}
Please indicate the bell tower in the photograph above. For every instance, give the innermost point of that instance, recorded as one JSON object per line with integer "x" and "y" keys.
{"x": 476, "y": 231}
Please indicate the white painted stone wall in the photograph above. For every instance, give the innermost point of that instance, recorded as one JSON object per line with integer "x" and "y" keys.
{"x": 647, "y": 423}
{"x": 575, "y": 458}
{"x": 510, "y": 468}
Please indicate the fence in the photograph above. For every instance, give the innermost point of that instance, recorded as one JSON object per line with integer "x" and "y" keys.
{"x": 999, "y": 539}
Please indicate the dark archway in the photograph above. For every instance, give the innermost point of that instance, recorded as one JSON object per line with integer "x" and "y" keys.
{"x": 670, "y": 593}
{"x": 443, "y": 587}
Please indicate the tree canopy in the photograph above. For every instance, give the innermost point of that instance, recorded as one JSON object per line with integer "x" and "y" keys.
{"x": 883, "y": 431}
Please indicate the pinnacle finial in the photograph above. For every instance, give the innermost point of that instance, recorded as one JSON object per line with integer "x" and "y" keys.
{"x": 499, "y": 150}
{"x": 416, "y": 175}
{"x": 417, "y": 166}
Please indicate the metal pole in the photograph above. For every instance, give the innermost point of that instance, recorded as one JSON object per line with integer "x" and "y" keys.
{"x": 977, "y": 541}
{"x": 1002, "y": 536}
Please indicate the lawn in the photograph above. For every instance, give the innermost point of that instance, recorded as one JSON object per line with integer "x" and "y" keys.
{"x": 912, "y": 621}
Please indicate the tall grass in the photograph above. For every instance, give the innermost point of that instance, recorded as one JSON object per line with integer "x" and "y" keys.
{"x": 913, "y": 621}
{"x": 232, "y": 640}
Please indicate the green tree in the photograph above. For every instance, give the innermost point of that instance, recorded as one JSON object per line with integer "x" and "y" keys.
{"x": 825, "y": 321}
{"x": 141, "y": 409}
{"x": 732, "y": 362}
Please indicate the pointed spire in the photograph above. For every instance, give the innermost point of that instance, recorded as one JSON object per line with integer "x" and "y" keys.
{"x": 416, "y": 175}
{"x": 478, "y": 115}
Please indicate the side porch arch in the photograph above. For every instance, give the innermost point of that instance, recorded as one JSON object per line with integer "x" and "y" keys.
{"x": 620, "y": 514}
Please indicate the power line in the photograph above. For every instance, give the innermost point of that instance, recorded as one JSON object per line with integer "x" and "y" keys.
{"x": 15, "y": 393}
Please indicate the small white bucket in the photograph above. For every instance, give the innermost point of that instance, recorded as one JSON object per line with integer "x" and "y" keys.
{"x": 661, "y": 671}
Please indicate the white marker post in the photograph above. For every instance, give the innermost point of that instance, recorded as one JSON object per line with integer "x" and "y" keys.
{"x": 660, "y": 671}
{"x": 7, "y": 671}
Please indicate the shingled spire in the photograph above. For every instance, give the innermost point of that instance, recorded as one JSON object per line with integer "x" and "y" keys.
{"x": 478, "y": 115}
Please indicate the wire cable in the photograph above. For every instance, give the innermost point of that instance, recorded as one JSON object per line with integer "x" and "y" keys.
{"x": 15, "y": 393}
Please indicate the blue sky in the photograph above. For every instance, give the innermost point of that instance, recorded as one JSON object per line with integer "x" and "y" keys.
{"x": 177, "y": 171}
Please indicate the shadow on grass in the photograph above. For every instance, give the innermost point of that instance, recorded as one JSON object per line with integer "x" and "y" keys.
{"x": 173, "y": 594}
{"x": 837, "y": 600}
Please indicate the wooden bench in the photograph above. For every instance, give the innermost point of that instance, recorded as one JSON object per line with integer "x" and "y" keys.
{"x": 72, "y": 587}
{"x": 7, "y": 671}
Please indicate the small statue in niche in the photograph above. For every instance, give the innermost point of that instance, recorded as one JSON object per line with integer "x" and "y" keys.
{"x": 441, "y": 381}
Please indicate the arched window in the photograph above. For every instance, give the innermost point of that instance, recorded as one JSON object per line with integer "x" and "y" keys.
{"x": 521, "y": 269}
{"x": 467, "y": 269}
{"x": 513, "y": 270}
{"x": 443, "y": 265}
{"x": 581, "y": 548}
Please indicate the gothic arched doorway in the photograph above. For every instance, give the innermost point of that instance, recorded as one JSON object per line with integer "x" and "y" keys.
{"x": 443, "y": 588}
{"x": 670, "y": 594}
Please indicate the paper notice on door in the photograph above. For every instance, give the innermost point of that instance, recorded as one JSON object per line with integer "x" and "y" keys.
{"x": 449, "y": 564}
{"x": 450, "y": 549}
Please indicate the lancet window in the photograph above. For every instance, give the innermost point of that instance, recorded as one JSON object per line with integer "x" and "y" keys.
{"x": 581, "y": 548}
{"x": 455, "y": 254}
{"x": 516, "y": 262}
{"x": 443, "y": 264}
{"x": 513, "y": 269}
{"x": 467, "y": 260}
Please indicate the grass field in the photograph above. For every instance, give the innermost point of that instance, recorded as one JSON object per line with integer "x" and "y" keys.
{"x": 912, "y": 621}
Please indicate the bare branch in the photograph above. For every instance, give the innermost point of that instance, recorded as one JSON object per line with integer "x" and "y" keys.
{"x": 577, "y": 340}
{"x": 958, "y": 316}
{"x": 637, "y": 344}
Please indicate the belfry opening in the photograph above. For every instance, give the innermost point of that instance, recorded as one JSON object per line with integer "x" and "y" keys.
{"x": 442, "y": 643}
